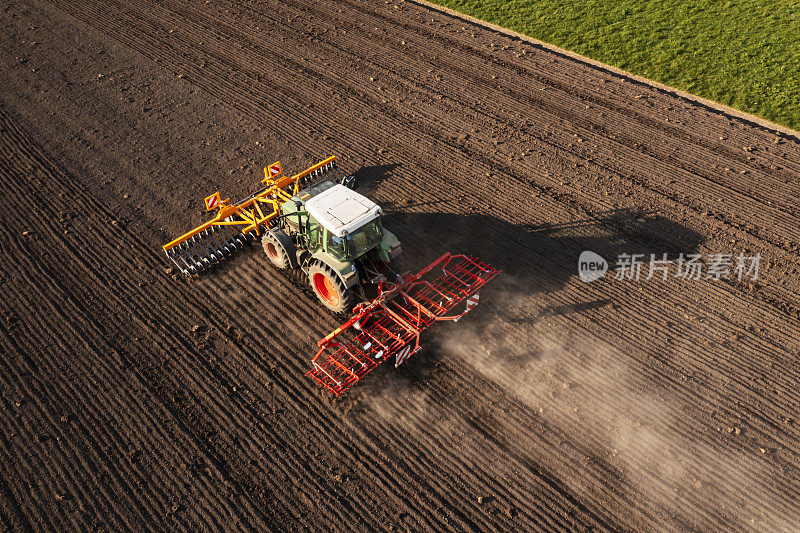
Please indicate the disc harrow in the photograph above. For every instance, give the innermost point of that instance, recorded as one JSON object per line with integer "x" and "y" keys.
{"x": 236, "y": 225}
{"x": 391, "y": 324}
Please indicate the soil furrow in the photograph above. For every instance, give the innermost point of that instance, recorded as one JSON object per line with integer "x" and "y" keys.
{"x": 556, "y": 405}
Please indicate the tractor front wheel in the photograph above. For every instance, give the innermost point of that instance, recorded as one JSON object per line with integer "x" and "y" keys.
{"x": 275, "y": 249}
{"x": 329, "y": 288}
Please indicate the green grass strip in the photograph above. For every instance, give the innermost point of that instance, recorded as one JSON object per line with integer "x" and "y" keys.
{"x": 742, "y": 53}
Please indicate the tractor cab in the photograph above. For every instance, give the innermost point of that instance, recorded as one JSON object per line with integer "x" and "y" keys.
{"x": 351, "y": 222}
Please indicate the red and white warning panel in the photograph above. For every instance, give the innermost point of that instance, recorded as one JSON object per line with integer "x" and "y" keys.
{"x": 212, "y": 201}
{"x": 390, "y": 325}
{"x": 274, "y": 170}
{"x": 472, "y": 301}
{"x": 404, "y": 354}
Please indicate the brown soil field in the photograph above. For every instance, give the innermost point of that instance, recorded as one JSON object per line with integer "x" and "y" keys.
{"x": 132, "y": 398}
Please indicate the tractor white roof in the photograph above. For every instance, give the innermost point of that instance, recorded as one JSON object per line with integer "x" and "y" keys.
{"x": 341, "y": 210}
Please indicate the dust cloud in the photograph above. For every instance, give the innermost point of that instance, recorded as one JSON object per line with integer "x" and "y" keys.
{"x": 677, "y": 469}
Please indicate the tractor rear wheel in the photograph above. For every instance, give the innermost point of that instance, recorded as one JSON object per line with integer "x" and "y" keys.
{"x": 329, "y": 288}
{"x": 276, "y": 250}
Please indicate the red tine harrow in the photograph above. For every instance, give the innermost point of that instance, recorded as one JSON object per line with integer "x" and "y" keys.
{"x": 390, "y": 325}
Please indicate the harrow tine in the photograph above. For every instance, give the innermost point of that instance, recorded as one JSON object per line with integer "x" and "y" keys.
{"x": 194, "y": 256}
{"x": 221, "y": 246}
{"x": 191, "y": 264}
{"x": 195, "y": 267}
{"x": 226, "y": 242}
{"x": 340, "y": 177}
{"x": 232, "y": 241}
{"x": 197, "y": 256}
{"x": 206, "y": 249}
{"x": 174, "y": 256}
{"x": 206, "y": 242}
{"x": 200, "y": 240}
{"x": 206, "y": 256}
{"x": 241, "y": 241}
{"x": 171, "y": 256}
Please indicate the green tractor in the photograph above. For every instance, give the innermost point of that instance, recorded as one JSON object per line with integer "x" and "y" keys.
{"x": 335, "y": 236}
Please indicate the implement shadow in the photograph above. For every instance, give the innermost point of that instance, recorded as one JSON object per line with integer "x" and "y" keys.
{"x": 533, "y": 258}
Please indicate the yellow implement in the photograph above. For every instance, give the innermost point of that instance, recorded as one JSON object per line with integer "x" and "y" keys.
{"x": 238, "y": 224}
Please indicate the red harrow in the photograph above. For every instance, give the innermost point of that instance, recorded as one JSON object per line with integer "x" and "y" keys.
{"x": 390, "y": 324}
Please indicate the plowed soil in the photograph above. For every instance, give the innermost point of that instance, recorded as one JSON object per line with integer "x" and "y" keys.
{"x": 133, "y": 398}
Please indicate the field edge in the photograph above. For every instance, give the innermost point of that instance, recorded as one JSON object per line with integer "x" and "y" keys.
{"x": 695, "y": 99}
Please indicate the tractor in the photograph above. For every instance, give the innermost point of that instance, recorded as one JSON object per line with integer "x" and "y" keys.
{"x": 336, "y": 237}
{"x": 315, "y": 222}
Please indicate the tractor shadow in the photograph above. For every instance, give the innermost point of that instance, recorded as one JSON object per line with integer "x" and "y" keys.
{"x": 369, "y": 178}
{"x": 534, "y": 258}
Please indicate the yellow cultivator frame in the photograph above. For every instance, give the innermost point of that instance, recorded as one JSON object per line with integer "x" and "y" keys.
{"x": 236, "y": 225}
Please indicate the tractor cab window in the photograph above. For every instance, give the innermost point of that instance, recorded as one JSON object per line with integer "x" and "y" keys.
{"x": 364, "y": 238}
{"x": 336, "y": 246}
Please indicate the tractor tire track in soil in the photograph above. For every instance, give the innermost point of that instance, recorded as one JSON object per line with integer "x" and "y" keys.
{"x": 131, "y": 396}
